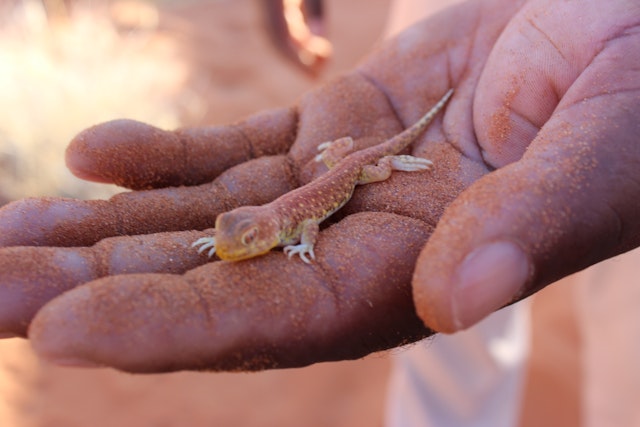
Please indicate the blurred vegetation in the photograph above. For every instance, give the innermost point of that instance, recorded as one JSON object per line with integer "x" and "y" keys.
{"x": 66, "y": 65}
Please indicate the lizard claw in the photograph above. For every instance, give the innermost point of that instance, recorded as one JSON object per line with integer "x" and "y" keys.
{"x": 408, "y": 163}
{"x": 206, "y": 242}
{"x": 302, "y": 250}
{"x": 324, "y": 145}
{"x": 322, "y": 148}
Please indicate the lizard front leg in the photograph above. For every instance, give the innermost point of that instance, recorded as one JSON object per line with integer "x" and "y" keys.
{"x": 382, "y": 170}
{"x": 206, "y": 243}
{"x": 308, "y": 237}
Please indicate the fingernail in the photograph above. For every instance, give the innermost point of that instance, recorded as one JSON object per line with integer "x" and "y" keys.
{"x": 488, "y": 278}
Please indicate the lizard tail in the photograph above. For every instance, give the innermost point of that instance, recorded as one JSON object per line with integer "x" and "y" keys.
{"x": 406, "y": 137}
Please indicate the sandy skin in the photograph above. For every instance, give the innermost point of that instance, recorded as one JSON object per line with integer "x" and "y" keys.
{"x": 377, "y": 282}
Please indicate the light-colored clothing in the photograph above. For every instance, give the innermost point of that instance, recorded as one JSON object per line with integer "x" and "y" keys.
{"x": 473, "y": 378}
{"x": 608, "y": 318}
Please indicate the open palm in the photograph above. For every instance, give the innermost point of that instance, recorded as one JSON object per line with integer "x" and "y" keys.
{"x": 535, "y": 178}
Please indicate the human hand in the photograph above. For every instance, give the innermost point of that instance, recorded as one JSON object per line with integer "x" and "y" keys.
{"x": 124, "y": 310}
{"x": 556, "y": 111}
{"x": 271, "y": 312}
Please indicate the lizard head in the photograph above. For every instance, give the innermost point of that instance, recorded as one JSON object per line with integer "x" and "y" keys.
{"x": 245, "y": 232}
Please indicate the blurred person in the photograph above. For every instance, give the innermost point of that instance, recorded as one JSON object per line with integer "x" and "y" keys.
{"x": 298, "y": 30}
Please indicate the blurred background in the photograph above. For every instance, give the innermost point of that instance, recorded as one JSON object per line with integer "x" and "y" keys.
{"x": 68, "y": 64}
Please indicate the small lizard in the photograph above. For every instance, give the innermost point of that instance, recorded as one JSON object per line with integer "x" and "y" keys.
{"x": 293, "y": 219}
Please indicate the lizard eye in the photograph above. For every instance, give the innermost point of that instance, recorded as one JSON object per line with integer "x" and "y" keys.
{"x": 249, "y": 236}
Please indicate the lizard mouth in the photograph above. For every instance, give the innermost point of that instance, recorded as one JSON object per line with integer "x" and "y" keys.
{"x": 240, "y": 253}
{"x": 238, "y": 256}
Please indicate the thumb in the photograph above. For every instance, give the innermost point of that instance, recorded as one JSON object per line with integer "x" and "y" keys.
{"x": 569, "y": 202}
{"x": 566, "y": 196}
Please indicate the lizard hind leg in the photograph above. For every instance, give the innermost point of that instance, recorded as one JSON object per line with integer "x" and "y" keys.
{"x": 331, "y": 152}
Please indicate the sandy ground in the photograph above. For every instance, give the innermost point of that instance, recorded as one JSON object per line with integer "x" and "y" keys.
{"x": 193, "y": 63}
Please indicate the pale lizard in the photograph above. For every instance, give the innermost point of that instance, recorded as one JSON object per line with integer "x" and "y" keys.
{"x": 294, "y": 217}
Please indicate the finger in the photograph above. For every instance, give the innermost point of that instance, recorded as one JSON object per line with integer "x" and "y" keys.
{"x": 569, "y": 203}
{"x": 67, "y": 222}
{"x": 31, "y": 277}
{"x": 268, "y": 312}
{"x": 534, "y": 63}
{"x": 139, "y": 156}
